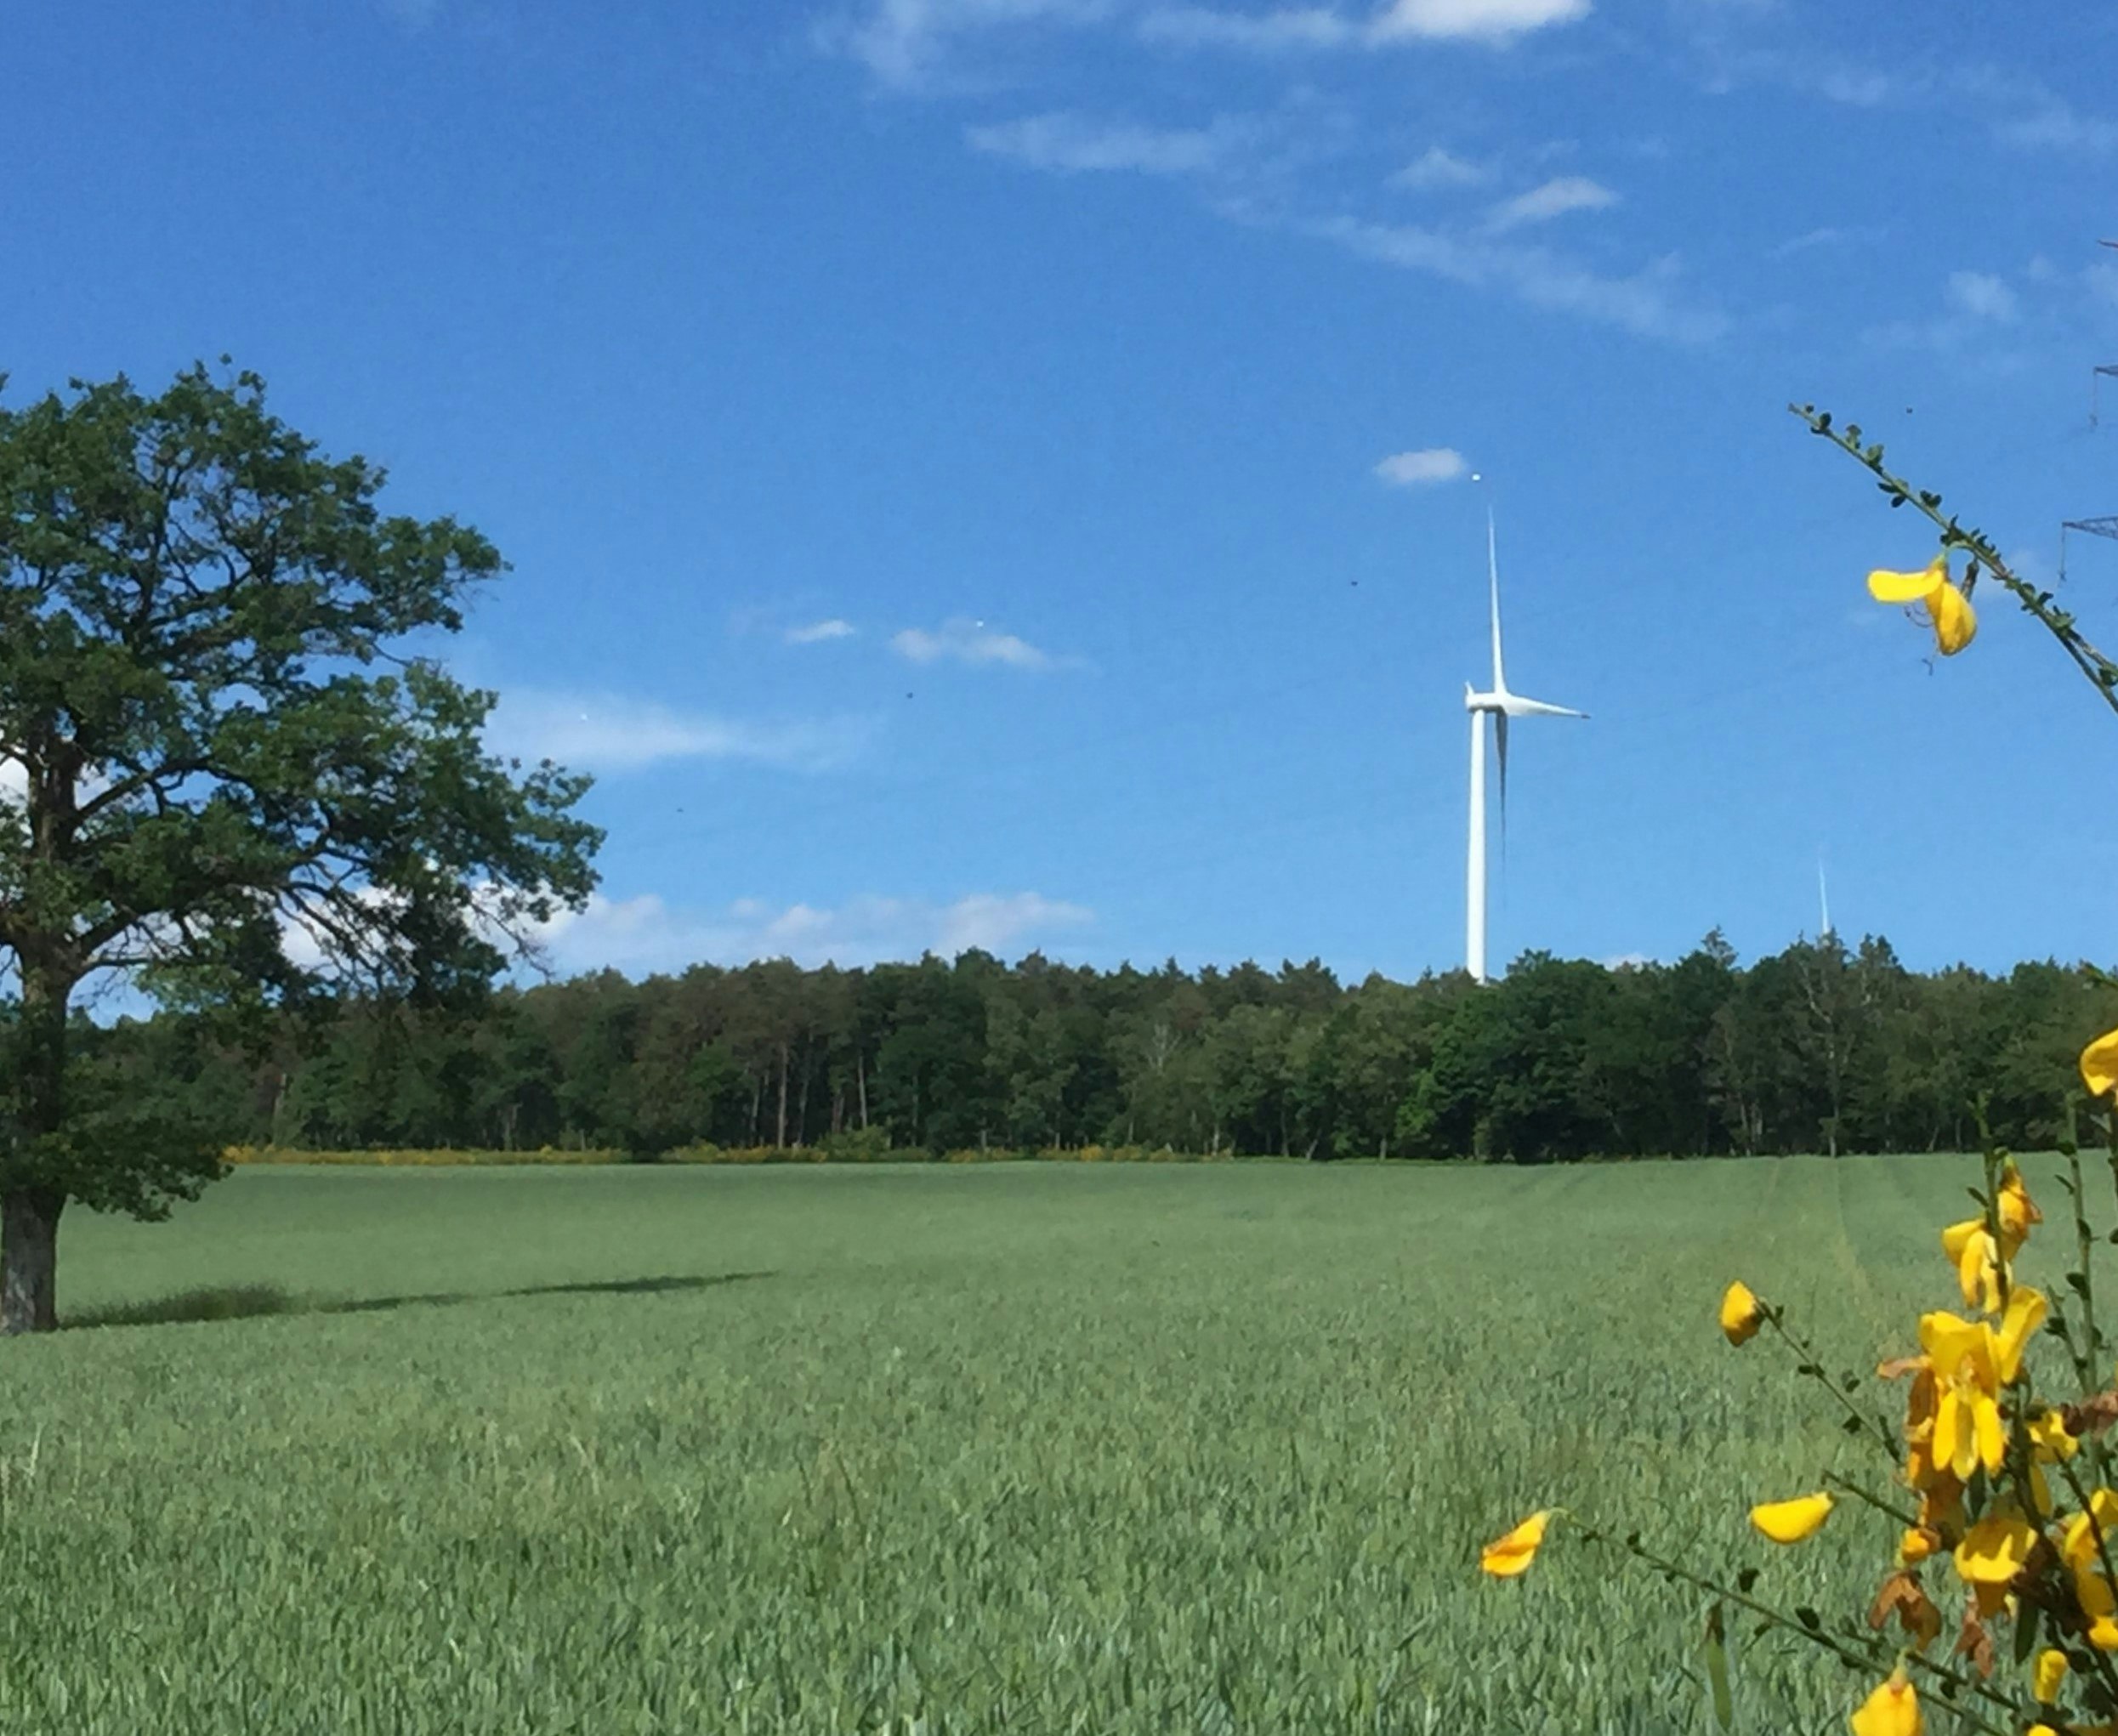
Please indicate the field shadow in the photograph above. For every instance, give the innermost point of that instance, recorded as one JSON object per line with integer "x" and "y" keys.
{"x": 251, "y": 1302}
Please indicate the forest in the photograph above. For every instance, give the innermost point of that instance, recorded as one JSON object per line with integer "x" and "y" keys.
{"x": 1819, "y": 1048}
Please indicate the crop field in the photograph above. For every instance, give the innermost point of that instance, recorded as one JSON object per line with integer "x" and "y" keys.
{"x": 1030, "y": 1448}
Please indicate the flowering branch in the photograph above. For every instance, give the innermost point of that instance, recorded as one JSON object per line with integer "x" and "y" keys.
{"x": 2101, "y": 671}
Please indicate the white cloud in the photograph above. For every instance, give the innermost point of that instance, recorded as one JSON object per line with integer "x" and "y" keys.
{"x": 1829, "y": 235}
{"x": 645, "y": 933}
{"x": 2045, "y": 120}
{"x": 1555, "y": 198}
{"x": 1441, "y": 168}
{"x": 1287, "y": 28}
{"x": 1070, "y": 142}
{"x": 1982, "y": 297}
{"x": 1489, "y": 20}
{"x": 1431, "y": 465}
{"x": 1647, "y": 303}
{"x": 818, "y": 632}
{"x": 1976, "y": 302}
{"x": 1256, "y": 32}
{"x": 902, "y": 42}
{"x": 964, "y": 641}
{"x": 612, "y": 732}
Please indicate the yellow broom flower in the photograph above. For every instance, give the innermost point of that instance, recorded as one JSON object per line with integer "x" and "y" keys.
{"x": 1740, "y": 1314}
{"x": 1512, "y": 1554}
{"x": 1994, "y": 1550}
{"x": 2100, "y": 1065}
{"x": 1791, "y": 1521}
{"x": 2046, "y": 1674}
{"x": 1949, "y": 611}
{"x": 1893, "y": 1709}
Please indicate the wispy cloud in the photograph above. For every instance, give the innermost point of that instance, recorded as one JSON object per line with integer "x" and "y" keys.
{"x": 1068, "y": 144}
{"x": 1441, "y": 168}
{"x": 646, "y": 933}
{"x": 1296, "y": 28}
{"x": 965, "y": 641}
{"x": 1983, "y": 296}
{"x": 902, "y": 42}
{"x": 1650, "y": 304}
{"x": 1975, "y": 304}
{"x": 1555, "y": 198}
{"x": 1429, "y": 465}
{"x": 1489, "y": 20}
{"x": 1291, "y": 28}
{"x": 817, "y": 632}
{"x": 2029, "y": 115}
{"x": 613, "y": 733}
{"x": 1829, "y": 235}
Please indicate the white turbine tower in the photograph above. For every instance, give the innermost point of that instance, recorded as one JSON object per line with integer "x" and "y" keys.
{"x": 1502, "y": 705}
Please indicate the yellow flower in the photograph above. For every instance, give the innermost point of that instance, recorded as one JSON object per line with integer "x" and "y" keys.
{"x": 1514, "y": 1553}
{"x": 1918, "y": 1542}
{"x": 2046, "y": 1674}
{"x": 1970, "y": 1246}
{"x": 1791, "y": 1521}
{"x": 2049, "y": 1444}
{"x": 1741, "y": 1314}
{"x": 1948, "y": 608}
{"x": 1893, "y": 1709}
{"x": 2100, "y": 1065}
{"x": 2048, "y": 1433}
{"x": 2017, "y": 1210}
{"x": 1970, "y": 1362}
{"x": 1994, "y": 1550}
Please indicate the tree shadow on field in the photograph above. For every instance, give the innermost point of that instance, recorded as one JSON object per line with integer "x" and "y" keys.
{"x": 250, "y": 1301}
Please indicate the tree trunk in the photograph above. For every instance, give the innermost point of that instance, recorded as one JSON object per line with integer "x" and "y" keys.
{"x": 779, "y": 1127}
{"x": 29, "y": 1259}
{"x": 860, "y": 1077}
{"x": 28, "y": 1212}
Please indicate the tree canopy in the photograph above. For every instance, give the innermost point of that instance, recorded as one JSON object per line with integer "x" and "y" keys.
{"x": 1818, "y": 1048}
{"x": 227, "y": 775}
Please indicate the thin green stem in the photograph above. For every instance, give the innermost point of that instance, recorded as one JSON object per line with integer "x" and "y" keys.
{"x": 2090, "y": 1353}
{"x": 1810, "y": 1365}
{"x": 1845, "y": 1653}
{"x": 1833, "y": 1480}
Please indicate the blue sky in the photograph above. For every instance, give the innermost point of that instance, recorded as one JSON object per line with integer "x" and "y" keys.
{"x": 942, "y": 444}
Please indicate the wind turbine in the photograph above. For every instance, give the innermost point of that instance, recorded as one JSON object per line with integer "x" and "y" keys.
{"x": 1502, "y": 705}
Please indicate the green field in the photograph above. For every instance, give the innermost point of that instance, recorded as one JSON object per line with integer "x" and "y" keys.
{"x": 1026, "y": 1449}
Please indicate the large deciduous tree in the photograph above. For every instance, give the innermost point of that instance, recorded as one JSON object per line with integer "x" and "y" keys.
{"x": 225, "y": 777}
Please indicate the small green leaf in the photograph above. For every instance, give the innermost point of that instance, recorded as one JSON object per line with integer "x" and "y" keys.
{"x": 1745, "y": 1580}
{"x": 1717, "y": 1671}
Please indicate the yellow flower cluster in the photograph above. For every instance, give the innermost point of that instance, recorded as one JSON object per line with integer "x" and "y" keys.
{"x": 1977, "y": 1445}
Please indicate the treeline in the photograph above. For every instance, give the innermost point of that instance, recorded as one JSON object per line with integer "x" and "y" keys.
{"x": 1817, "y": 1048}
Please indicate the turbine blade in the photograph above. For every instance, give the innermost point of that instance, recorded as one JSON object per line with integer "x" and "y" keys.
{"x": 1500, "y": 739}
{"x": 1492, "y": 573}
{"x": 1522, "y": 708}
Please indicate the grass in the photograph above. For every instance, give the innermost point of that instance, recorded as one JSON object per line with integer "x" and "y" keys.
{"x": 1023, "y": 1449}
